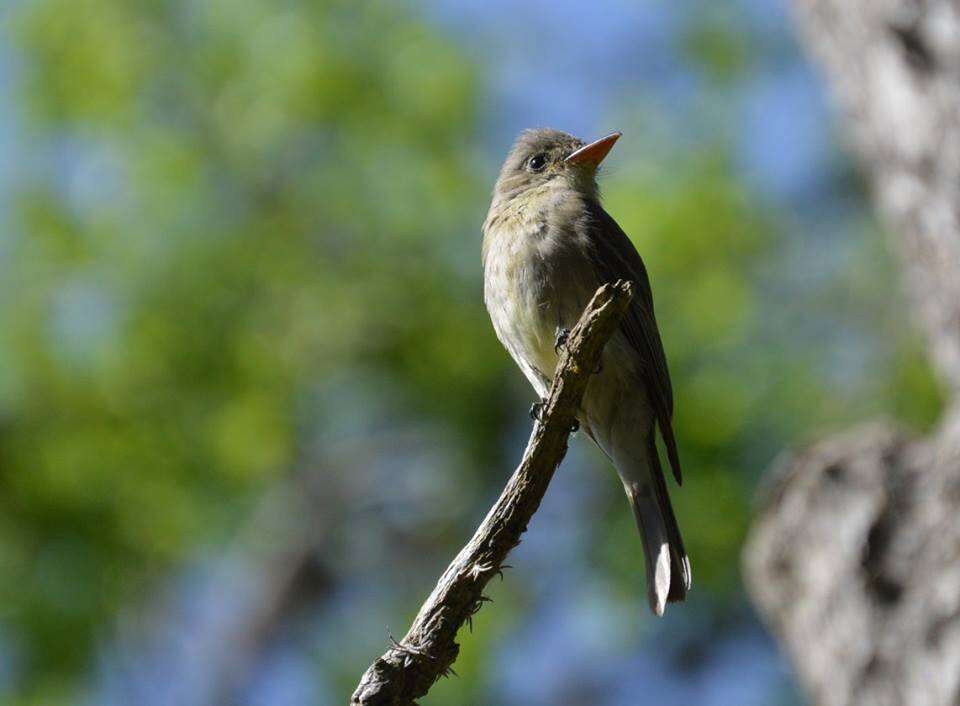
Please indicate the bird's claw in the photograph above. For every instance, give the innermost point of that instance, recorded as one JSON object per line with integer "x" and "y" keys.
{"x": 563, "y": 335}
{"x": 536, "y": 411}
{"x": 536, "y": 414}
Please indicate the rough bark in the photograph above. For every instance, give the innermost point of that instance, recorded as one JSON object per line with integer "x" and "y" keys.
{"x": 409, "y": 668}
{"x": 854, "y": 558}
{"x": 854, "y": 561}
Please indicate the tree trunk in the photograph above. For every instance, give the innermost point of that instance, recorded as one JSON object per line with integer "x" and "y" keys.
{"x": 854, "y": 558}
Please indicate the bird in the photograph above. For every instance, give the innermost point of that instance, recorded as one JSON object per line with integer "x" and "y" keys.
{"x": 548, "y": 244}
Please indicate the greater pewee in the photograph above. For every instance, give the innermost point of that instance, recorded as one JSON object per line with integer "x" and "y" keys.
{"x": 547, "y": 245}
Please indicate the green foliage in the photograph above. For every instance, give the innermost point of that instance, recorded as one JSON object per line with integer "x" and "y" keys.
{"x": 716, "y": 44}
{"x": 228, "y": 203}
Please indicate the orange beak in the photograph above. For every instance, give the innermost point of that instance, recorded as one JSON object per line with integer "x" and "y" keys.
{"x": 594, "y": 153}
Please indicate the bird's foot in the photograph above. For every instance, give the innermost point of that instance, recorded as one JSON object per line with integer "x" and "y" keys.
{"x": 536, "y": 410}
{"x": 536, "y": 414}
{"x": 563, "y": 335}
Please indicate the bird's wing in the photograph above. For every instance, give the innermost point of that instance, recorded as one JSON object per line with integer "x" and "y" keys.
{"x": 614, "y": 257}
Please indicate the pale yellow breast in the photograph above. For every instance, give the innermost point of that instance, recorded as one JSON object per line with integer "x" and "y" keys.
{"x": 520, "y": 298}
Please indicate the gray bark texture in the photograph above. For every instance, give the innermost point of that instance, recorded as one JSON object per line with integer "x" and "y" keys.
{"x": 409, "y": 668}
{"x": 854, "y": 556}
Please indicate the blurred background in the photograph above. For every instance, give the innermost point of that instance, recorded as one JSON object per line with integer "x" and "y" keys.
{"x": 250, "y": 400}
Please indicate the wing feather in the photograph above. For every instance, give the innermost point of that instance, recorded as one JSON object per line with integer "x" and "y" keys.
{"x": 614, "y": 257}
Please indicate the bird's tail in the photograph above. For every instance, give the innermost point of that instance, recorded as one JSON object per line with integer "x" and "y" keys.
{"x": 668, "y": 567}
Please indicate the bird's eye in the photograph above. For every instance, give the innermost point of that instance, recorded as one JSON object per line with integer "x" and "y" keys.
{"x": 537, "y": 162}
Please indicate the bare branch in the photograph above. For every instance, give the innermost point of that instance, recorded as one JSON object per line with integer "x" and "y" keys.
{"x": 409, "y": 668}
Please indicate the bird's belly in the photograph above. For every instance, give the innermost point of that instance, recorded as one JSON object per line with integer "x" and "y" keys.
{"x": 532, "y": 288}
{"x": 524, "y": 316}
{"x": 615, "y": 408}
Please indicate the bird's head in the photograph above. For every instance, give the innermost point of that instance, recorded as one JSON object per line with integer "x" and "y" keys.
{"x": 543, "y": 158}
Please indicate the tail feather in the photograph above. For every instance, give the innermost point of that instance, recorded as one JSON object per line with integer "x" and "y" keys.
{"x": 656, "y": 549}
{"x": 678, "y": 552}
{"x": 667, "y": 564}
